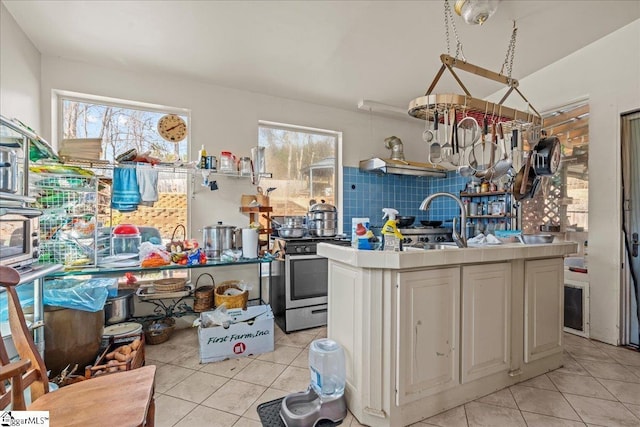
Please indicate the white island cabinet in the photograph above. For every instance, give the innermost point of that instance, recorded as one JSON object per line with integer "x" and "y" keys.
{"x": 427, "y": 330}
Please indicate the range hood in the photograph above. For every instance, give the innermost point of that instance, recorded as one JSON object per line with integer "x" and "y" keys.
{"x": 401, "y": 167}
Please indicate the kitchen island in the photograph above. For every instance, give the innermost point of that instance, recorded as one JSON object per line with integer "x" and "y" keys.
{"x": 427, "y": 330}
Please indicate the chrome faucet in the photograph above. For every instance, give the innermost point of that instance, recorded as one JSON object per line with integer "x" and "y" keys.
{"x": 459, "y": 238}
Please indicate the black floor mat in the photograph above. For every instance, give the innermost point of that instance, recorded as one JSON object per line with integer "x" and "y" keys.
{"x": 269, "y": 413}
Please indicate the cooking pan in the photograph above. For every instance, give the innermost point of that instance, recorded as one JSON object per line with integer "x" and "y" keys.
{"x": 430, "y": 223}
{"x": 289, "y": 232}
{"x": 526, "y": 187}
{"x": 547, "y": 156}
{"x": 405, "y": 221}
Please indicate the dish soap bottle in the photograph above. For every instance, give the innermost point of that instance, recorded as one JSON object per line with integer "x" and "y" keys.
{"x": 391, "y": 237}
{"x": 202, "y": 158}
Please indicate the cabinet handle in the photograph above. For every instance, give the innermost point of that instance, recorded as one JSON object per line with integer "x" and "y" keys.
{"x": 634, "y": 245}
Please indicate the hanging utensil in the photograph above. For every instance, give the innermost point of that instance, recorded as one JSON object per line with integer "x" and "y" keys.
{"x": 447, "y": 149}
{"x": 435, "y": 152}
{"x": 428, "y": 135}
{"x": 479, "y": 170}
{"x": 503, "y": 165}
{"x": 455, "y": 159}
{"x": 471, "y": 128}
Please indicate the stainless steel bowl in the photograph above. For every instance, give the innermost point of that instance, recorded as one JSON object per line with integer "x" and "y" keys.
{"x": 535, "y": 239}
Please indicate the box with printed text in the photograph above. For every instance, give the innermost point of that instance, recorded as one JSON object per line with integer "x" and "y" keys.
{"x": 251, "y": 333}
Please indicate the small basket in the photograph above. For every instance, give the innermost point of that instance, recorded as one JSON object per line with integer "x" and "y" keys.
{"x": 174, "y": 241}
{"x": 159, "y": 331}
{"x": 231, "y": 301}
{"x": 203, "y": 296}
{"x": 169, "y": 285}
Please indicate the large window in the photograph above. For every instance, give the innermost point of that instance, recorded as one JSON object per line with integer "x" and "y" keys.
{"x": 118, "y": 126}
{"x": 305, "y": 166}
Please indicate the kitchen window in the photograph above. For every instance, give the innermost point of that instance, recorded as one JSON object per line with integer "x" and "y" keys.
{"x": 305, "y": 164}
{"x": 118, "y": 126}
{"x": 564, "y": 198}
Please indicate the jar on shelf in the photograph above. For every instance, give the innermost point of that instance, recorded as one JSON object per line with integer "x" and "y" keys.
{"x": 484, "y": 187}
{"x": 473, "y": 208}
{"x": 125, "y": 239}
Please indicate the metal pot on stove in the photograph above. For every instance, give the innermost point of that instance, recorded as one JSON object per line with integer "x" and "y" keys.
{"x": 220, "y": 237}
{"x": 322, "y": 220}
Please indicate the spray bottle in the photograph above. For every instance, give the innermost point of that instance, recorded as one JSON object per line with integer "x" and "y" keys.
{"x": 391, "y": 237}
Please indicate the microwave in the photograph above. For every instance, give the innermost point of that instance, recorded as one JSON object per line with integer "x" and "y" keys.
{"x": 19, "y": 236}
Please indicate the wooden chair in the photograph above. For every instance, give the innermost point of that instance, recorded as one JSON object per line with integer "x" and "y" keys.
{"x": 123, "y": 398}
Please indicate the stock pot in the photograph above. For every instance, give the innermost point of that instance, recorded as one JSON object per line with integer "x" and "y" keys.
{"x": 322, "y": 220}
{"x": 220, "y": 237}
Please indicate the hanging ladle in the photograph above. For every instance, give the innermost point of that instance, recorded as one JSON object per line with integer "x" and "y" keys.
{"x": 503, "y": 165}
{"x": 428, "y": 135}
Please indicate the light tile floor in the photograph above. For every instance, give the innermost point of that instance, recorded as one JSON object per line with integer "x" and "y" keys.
{"x": 599, "y": 385}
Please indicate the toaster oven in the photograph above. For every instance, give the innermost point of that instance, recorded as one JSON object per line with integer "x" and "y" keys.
{"x": 19, "y": 236}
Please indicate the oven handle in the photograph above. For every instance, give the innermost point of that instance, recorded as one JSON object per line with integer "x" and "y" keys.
{"x": 296, "y": 257}
{"x": 320, "y": 310}
{"x": 25, "y": 212}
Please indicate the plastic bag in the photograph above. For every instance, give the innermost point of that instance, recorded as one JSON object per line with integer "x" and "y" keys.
{"x": 153, "y": 255}
{"x": 85, "y": 295}
{"x": 25, "y": 295}
{"x": 231, "y": 255}
{"x": 217, "y": 317}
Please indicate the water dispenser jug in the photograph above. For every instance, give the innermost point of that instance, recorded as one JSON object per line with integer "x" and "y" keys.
{"x": 324, "y": 399}
{"x": 326, "y": 363}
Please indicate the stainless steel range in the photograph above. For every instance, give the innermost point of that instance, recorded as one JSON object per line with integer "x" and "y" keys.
{"x": 298, "y": 291}
{"x": 414, "y": 236}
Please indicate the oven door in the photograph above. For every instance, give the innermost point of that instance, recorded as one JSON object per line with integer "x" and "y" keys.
{"x": 18, "y": 235}
{"x": 306, "y": 280}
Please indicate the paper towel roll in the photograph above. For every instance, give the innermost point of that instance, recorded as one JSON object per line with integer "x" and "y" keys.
{"x": 249, "y": 243}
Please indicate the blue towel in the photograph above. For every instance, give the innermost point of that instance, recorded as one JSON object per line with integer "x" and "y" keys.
{"x": 125, "y": 195}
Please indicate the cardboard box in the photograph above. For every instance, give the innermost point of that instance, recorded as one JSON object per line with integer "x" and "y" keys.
{"x": 252, "y": 333}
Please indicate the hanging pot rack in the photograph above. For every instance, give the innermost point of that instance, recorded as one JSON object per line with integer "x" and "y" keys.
{"x": 425, "y": 106}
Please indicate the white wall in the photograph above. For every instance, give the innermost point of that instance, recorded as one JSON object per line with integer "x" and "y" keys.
{"x": 608, "y": 72}
{"x": 19, "y": 73}
{"x": 227, "y": 119}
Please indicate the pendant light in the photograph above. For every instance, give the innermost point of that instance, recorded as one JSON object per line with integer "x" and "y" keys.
{"x": 476, "y": 11}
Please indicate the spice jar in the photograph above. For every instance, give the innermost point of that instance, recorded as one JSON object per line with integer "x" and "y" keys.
{"x": 484, "y": 187}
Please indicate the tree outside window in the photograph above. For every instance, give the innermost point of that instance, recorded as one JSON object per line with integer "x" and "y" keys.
{"x": 304, "y": 166}
{"x": 122, "y": 127}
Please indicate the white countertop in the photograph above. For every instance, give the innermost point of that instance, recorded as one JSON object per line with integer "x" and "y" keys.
{"x": 450, "y": 255}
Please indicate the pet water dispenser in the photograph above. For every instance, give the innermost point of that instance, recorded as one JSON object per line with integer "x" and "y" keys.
{"x": 324, "y": 399}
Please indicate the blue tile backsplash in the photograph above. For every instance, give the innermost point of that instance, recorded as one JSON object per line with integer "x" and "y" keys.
{"x": 366, "y": 193}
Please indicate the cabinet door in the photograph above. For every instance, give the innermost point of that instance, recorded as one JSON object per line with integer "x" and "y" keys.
{"x": 486, "y": 310}
{"x": 427, "y": 331}
{"x": 543, "y": 308}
